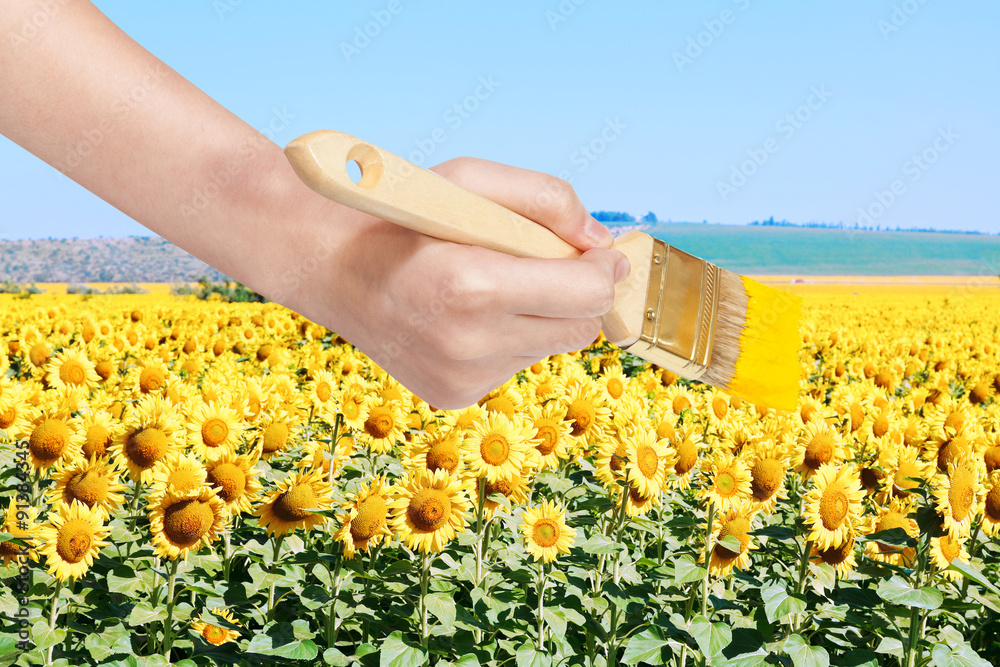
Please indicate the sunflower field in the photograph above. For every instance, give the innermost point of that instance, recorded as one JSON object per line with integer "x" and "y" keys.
{"x": 202, "y": 483}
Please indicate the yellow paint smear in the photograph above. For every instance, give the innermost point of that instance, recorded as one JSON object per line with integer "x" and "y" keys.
{"x": 768, "y": 369}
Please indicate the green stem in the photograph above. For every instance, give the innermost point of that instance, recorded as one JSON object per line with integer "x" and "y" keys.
{"x": 425, "y": 572}
{"x": 541, "y": 606}
{"x": 913, "y": 635}
{"x": 270, "y": 590}
{"x": 53, "y": 615}
{"x": 708, "y": 558}
{"x": 168, "y": 638}
{"x": 331, "y": 619}
{"x": 972, "y": 555}
{"x": 480, "y": 546}
{"x": 800, "y": 583}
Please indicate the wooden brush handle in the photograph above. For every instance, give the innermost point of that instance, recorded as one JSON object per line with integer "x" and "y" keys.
{"x": 393, "y": 189}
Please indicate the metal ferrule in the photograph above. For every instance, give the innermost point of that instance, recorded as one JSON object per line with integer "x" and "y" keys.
{"x": 681, "y": 304}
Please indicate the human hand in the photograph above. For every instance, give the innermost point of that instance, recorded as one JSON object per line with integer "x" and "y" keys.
{"x": 449, "y": 321}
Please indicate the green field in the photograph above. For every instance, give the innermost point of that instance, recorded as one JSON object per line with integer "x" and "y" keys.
{"x": 804, "y": 251}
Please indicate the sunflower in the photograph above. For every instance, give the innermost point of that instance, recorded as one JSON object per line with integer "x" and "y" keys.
{"x": 810, "y": 409}
{"x": 717, "y": 411}
{"x": 22, "y": 528}
{"x": 958, "y": 495}
{"x": 819, "y": 444}
{"x": 515, "y": 490}
{"x": 184, "y": 522}
{"x": 545, "y": 532}
{"x": 234, "y": 479}
{"x": 990, "y": 523}
{"x": 738, "y": 435}
{"x": 149, "y": 377}
{"x": 16, "y": 414}
{"x": 894, "y": 515}
{"x": 365, "y": 524}
{"x": 614, "y": 386}
{"x": 289, "y": 505}
{"x": 99, "y": 430}
{"x": 462, "y": 420}
{"x": 150, "y": 433}
{"x": 636, "y": 504}
{"x": 679, "y": 398}
{"x": 93, "y": 482}
{"x": 948, "y": 450}
{"x": 650, "y": 460}
{"x": 178, "y": 473}
{"x": 387, "y": 389}
{"x": 434, "y": 451}
{"x": 552, "y": 433}
{"x": 52, "y": 440}
{"x": 586, "y": 413}
{"x": 213, "y": 430}
{"x": 610, "y": 460}
{"x": 276, "y": 428}
{"x": 428, "y": 509}
{"x": 945, "y": 550}
{"x": 734, "y": 523}
{"x": 71, "y": 368}
{"x": 768, "y": 462}
{"x": 383, "y": 424}
{"x": 842, "y": 557}
{"x": 833, "y": 506}
{"x": 71, "y": 539}
{"x": 544, "y": 385}
{"x": 215, "y": 634}
{"x": 496, "y": 447}
{"x": 687, "y": 445}
{"x": 505, "y": 399}
{"x": 947, "y": 418}
{"x": 729, "y": 481}
{"x": 904, "y": 471}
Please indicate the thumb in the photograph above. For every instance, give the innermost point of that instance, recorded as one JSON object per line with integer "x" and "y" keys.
{"x": 613, "y": 264}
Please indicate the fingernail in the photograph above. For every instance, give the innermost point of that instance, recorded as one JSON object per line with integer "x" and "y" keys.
{"x": 598, "y": 233}
{"x": 622, "y": 269}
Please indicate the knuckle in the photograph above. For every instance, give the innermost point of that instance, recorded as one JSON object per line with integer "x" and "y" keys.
{"x": 584, "y": 332}
{"x": 473, "y": 291}
{"x": 560, "y": 198}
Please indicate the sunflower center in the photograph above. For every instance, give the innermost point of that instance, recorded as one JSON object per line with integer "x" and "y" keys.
{"x": 495, "y": 449}
{"x": 295, "y": 503}
{"x": 582, "y": 414}
{"x": 183, "y": 479}
{"x": 857, "y": 416}
{"x": 992, "y": 507}
{"x": 370, "y": 518}
{"x": 950, "y": 547}
{"x": 870, "y": 478}
{"x": 833, "y": 507}
{"x": 88, "y": 487}
{"x": 955, "y": 420}
{"x": 443, "y": 455}
{"x": 725, "y": 484}
{"x": 881, "y": 426}
{"x": 737, "y": 527}
{"x": 949, "y": 451}
{"x": 837, "y": 555}
{"x": 429, "y": 509}
{"x": 720, "y": 408}
{"x": 96, "y": 441}
{"x": 545, "y": 532}
{"x": 49, "y": 439}
{"x": 7, "y": 417}
{"x": 901, "y": 482}
{"x": 75, "y": 539}
{"x": 687, "y": 457}
{"x": 889, "y": 521}
{"x": 214, "y": 432}
{"x": 666, "y": 430}
{"x": 991, "y": 456}
{"x": 500, "y": 404}
{"x": 547, "y": 432}
{"x": 39, "y": 354}
{"x": 351, "y": 408}
{"x": 146, "y": 447}
{"x": 962, "y": 492}
{"x": 379, "y": 423}
{"x": 275, "y": 437}
{"x": 213, "y": 634}
{"x": 323, "y": 391}
{"x": 647, "y": 461}
{"x": 229, "y": 480}
{"x": 72, "y": 372}
{"x": 767, "y": 477}
{"x": 680, "y": 404}
{"x": 151, "y": 379}
{"x": 615, "y": 388}
{"x": 818, "y": 451}
{"x": 185, "y": 522}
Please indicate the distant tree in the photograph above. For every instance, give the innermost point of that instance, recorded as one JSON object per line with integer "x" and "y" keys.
{"x": 650, "y": 217}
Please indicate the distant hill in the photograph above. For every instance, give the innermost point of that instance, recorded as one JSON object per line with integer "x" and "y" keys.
{"x": 778, "y": 250}
{"x": 129, "y": 259}
{"x": 761, "y": 250}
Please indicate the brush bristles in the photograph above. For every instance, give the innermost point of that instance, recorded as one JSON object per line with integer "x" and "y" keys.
{"x": 730, "y": 319}
{"x": 757, "y": 343}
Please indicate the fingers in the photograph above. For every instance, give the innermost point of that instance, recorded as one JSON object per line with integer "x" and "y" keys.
{"x": 547, "y": 200}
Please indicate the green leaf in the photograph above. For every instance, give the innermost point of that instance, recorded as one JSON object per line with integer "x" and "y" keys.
{"x": 804, "y": 655}
{"x": 144, "y": 614}
{"x": 8, "y": 647}
{"x": 397, "y": 653}
{"x": 945, "y": 655}
{"x": 443, "y": 607}
{"x": 644, "y": 647}
{"x": 893, "y": 537}
{"x": 687, "y": 570}
{"x": 279, "y": 640}
{"x": 711, "y": 637}
{"x": 897, "y": 591}
{"x": 528, "y": 656}
{"x": 778, "y": 603}
{"x": 598, "y": 544}
{"x": 859, "y": 657}
{"x": 44, "y": 637}
{"x": 970, "y": 571}
{"x": 781, "y": 533}
{"x": 731, "y": 543}
{"x": 333, "y": 656}
{"x": 108, "y": 642}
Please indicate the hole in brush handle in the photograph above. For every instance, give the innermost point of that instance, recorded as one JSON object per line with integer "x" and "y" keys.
{"x": 369, "y": 161}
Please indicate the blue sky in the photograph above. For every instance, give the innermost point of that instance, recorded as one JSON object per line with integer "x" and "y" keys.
{"x": 723, "y": 110}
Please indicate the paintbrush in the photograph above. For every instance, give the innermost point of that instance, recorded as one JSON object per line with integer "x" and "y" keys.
{"x": 675, "y": 310}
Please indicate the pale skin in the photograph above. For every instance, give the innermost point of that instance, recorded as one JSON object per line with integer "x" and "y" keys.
{"x": 450, "y": 322}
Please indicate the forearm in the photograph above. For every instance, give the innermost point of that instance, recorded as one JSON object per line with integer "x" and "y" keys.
{"x": 84, "y": 97}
